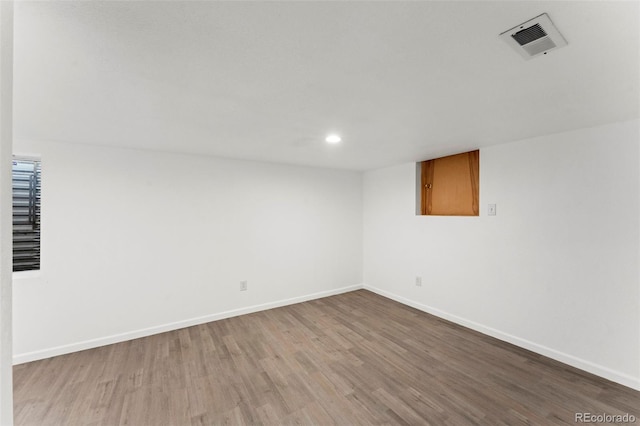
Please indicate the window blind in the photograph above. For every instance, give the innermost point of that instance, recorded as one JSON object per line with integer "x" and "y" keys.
{"x": 26, "y": 215}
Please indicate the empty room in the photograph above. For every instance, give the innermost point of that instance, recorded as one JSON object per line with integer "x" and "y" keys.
{"x": 319, "y": 212}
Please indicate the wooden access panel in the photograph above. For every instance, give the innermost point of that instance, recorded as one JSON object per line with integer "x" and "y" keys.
{"x": 450, "y": 185}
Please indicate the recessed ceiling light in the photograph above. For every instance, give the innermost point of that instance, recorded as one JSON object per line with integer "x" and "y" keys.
{"x": 333, "y": 138}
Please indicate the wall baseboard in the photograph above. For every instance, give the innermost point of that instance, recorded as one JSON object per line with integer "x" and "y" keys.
{"x": 590, "y": 367}
{"x": 117, "y": 338}
{"x": 607, "y": 373}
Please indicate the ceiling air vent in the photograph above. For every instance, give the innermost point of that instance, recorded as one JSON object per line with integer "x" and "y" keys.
{"x": 535, "y": 37}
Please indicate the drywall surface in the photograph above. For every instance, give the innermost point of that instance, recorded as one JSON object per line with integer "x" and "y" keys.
{"x": 556, "y": 270}
{"x": 138, "y": 242}
{"x": 6, "y": 132}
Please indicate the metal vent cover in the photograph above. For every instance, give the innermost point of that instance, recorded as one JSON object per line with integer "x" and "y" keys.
{"x": 529, "y": 34}
{"x": 535, "y": 37}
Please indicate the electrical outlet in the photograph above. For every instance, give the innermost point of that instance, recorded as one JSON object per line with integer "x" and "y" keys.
{"x": 243, "y": 286}
{"x": 419, "y": 281}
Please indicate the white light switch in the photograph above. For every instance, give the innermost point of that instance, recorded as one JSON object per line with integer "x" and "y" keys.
{"x": 492, "y": 209}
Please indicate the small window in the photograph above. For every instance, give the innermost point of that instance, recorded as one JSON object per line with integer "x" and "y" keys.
{"x": 26, "y": 214}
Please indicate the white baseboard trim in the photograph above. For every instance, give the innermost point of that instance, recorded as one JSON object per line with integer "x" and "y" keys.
{"x": 598, "y": 370}
{"x": 122, "y": 337}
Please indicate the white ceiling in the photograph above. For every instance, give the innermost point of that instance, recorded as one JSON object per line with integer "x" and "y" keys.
{"x": 401, "y": 81}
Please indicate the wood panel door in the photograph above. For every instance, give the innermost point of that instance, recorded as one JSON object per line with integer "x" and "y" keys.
{"x": 450, "y": 185}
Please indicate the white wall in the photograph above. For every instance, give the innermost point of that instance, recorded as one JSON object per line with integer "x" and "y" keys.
{"x": 556, "y": 271}
{"x": 137, "y": 242}
{"x": 6, "y": 131}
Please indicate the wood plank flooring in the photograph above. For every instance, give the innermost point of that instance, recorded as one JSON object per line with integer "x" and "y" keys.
{"x": 356, "y": 358}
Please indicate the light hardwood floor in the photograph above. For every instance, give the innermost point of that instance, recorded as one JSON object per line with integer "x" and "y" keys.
{"x": 355, "y": 358}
